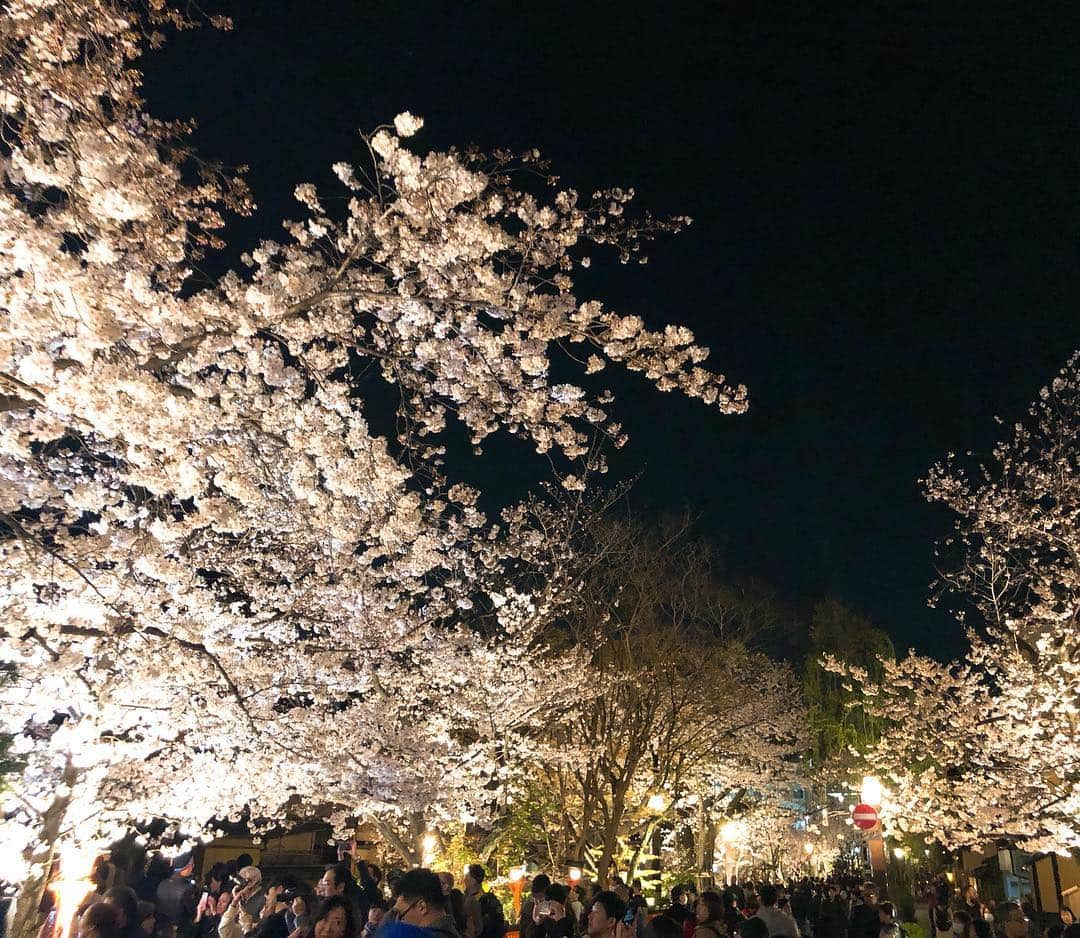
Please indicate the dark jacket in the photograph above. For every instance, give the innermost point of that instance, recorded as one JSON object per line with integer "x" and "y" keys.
{"x": 443, "y": 928}
{"x": 273, "y": 926}
{"x": 865, "y": 922}
{"x": 176, "y": 901}
{"x": 831, "y": 918}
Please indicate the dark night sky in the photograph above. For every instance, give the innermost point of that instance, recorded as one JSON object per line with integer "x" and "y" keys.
{"x": 885, "y": 246}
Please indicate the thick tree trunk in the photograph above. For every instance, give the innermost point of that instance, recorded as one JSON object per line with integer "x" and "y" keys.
{"x": 611, "y": 835}
{"x": 27, "y": 920}
{"x": 408, "y": 846}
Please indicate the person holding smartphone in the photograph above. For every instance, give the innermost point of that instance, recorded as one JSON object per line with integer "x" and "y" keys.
{"x": 549, "y": 914}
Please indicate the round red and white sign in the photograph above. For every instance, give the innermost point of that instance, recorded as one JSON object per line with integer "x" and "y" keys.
{"x": 864, "y": 816}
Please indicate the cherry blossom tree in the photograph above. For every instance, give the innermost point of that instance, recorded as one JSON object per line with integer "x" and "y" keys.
{"x": 207, "y": 551}
{"x": 688, "y": 709}
{"x": 989, "y": 747}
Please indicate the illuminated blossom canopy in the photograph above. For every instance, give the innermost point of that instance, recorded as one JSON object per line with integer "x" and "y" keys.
{"x": 989, "y": 747}
{"x": 223, "y": 592}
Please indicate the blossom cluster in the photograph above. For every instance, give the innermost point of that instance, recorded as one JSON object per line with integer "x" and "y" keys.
{"x": 222, "y": 592}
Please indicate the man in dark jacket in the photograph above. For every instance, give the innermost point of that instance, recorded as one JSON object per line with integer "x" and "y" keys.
{"x": 865, "y": 922}
{"x": 419, "y": 900}
{"x": 831, "y": 917}
{"x": 177, "y": 898}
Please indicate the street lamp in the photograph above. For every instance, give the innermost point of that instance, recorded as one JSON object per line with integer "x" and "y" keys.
{"x": 428, "y": 843}
{"x": 657, "y": 803}
{"x": 871, "y": 791}
{"x": 517, "y": 883}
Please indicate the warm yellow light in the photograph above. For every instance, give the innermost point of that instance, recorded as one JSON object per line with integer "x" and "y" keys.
{"x": 949, "y": 876}
{"x": 900, "y": 853}
{"x": 657, "y": 803}
{"x": 808, "y": 848}
{"x": 732, "y": 832}
{"x": 429, "y": 842}
{"x": 574, "y": 874}
{"x": 73, "y": 885}
{"x": 871, "y": 791}
{"x": 516, "y": 874}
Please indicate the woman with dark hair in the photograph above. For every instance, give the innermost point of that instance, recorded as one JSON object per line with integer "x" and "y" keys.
{"x": 663, "y": 926}
{"x": 337, "y": 919}
{"x": 126, "y": 903}
{"x": 732, "y": 915}
{"x": 100, "y": 920}
{"x": 709, "y": 916}
{"x": 554, "y": 922}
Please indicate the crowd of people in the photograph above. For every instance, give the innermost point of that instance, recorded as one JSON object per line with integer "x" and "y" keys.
{"x": 353, "y": 901}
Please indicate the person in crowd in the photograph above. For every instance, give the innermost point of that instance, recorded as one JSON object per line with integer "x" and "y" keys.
{"x": 753, "y": 903}
{"x": 969, "y": 901}
{"x": 1016, "y": 925}
{"x": 455, "y": 905}
{"x": 298, "y": 918}
{"x": 938, "y": 908}
{"x": 680, "y": 909}
{"x": 274, "y": 918}
{"x": 177, "y": 898}
{"x": 446, "y": 880}
{"x": 553, "y": 921}
{"x": 126, "y": 903}
{"x": 963, "y": 924}
{"x": 375, "y": 917}
{"x": 336, "y": 919}
{"x": 831, "y": 917}
{"x": 244, "y": 911}
{"x": 634, "y": 917}
{"x": 605, "y": 914}
{"x": 100, "y": 920}
{"x": 778, "y": 922}
{"x": 337, "y": 880}
{"x": 709, "y": 916}
{"x": 753, "y": 928}
{"x": 661, "y": 926}
{"x": 146, "y": 916}
{"x": 592, "y": 890}
{"x": 369, "y": 879}
{"x": 732, "y": 916}
{"x": 250, "y": 894}
{"x": 537, "y": 893}
{"x": 887, "y": 924}
{"x": 574, "y": 906}
{"x": 213, "y": 902}
{"x": 1057, "y": 928}
{"x": 419, "y": 900}
{"x": 801, "y": 898}
{"x": 478, "y": 919}
{"x": 865, "y": 921}
{"x": 158, "y": 869}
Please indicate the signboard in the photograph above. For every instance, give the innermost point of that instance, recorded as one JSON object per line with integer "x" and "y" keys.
{"x": 864, "y": 816}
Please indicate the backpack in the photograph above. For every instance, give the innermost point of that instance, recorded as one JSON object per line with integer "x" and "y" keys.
{"x": 942, "y": 918}
{"x": 494, "y": 921}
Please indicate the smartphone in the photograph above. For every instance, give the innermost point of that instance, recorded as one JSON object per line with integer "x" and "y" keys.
{"x": 629, "y": 915}
{"x": 543, "y": 907}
